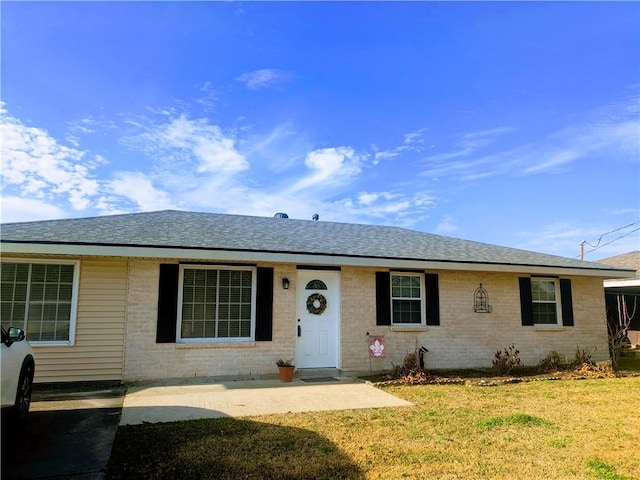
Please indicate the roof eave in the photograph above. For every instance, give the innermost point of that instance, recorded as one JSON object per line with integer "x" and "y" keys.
{"x": 633, "y": 282}
{"x": 252, "y": 256}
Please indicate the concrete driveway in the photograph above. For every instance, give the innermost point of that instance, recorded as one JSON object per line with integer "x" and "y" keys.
{"x": 169, "y": 402}
{"x": 69, "y": 435}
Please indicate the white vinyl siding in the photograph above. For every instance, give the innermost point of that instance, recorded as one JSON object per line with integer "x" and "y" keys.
{"x": 98, "y": 350}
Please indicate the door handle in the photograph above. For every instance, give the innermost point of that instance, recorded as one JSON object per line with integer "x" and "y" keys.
{"x": 299, "y": 331}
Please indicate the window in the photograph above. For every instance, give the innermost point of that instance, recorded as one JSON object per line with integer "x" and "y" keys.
{"x": 407, "y": 298}
{"x": 316, "y": 285}
{"x": 216, "y": 304}
{"x": 546, "y": 301}
{"x": 41, "y": 299}
{"x": 544, "y": 296}
{"x": 429, "y": 290}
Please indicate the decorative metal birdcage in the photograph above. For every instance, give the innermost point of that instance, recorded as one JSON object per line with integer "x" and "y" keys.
{"x": 481, "y": 301}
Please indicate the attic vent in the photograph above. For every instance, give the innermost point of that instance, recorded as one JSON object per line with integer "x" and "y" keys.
{"x": 281, "y": 215}
{"x": 315, "y": 217}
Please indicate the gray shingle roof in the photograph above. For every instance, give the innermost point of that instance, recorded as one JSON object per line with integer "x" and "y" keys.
{"x": 210, "y": 231}
{"x": 629, "y": 260}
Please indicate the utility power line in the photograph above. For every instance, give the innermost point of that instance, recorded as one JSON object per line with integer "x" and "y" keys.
{"x": 598, "y": 243}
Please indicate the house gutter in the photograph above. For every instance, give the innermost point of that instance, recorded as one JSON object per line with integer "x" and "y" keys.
{"x": 231, "y": 255}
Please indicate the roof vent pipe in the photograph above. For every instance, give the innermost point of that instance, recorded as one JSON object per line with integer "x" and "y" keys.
{"x": 281, "y": 215}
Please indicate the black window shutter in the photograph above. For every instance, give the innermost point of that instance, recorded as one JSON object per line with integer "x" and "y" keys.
{"x": 167, "y": 303}
{"x": 567, "y": 302}
{"x": 383, "y": 298}
{"x": 433, "y": 298}
{"x": 526, "y": 301}
{"x": 264, "y": 304}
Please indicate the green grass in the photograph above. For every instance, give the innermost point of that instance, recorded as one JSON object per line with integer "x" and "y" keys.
{"x": 531, "y": 430}
{"x": 513, "y": 419}
{"x": 603, "y": 471}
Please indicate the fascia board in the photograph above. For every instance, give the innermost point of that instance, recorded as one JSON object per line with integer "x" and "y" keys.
{"x": 298, "y": 258}
{"x": 634, "y": 282}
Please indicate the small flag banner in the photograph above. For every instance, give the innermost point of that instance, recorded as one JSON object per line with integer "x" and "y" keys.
{"x": 376, "y": 346}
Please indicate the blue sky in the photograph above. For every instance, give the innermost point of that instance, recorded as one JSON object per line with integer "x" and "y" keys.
{"x": 509, "y": 123}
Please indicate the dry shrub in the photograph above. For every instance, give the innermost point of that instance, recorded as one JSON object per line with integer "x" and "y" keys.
{"x": 553, "y": 362}
{"x": 409, "y": 371}
{"x": 506, "y": 360}
{"x": 598, "y": 370}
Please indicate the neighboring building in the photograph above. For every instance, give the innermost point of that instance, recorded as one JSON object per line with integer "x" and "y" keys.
{"x": 178, "y": 294}
{"x": 629, "y": 289}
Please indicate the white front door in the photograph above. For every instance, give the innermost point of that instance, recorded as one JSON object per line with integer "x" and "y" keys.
{"x": 318, "y": 299}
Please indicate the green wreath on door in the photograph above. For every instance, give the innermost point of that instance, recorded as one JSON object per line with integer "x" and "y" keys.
{"x": 316, "y": 304}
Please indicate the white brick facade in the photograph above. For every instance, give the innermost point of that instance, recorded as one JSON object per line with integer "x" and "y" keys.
{"x": 463, "y": 339}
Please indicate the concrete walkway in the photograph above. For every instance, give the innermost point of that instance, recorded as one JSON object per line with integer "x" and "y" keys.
{"x": 155, "y": 403}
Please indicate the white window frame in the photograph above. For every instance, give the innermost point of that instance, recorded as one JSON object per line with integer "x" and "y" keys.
{"x": 423, "y": 303}
{"x": 556, "y": 284}
{"x": 251, "y": 338}
{"x": 74, "y": 300}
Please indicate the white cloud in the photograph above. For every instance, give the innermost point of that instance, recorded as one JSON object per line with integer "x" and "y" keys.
{"x": 186, "y": 143}
{"x": 397, "y": 208}
{"x": 447, "y": 226}
{"x": 18, "y": 209}
{"x": 279, "y": 149}
{"x": 86, "y": 126}
{"x": 329, "y": 167}
{"x": 195, "y": 165}
{"x": 35, "y": 164}
{"x": 553, "y": 161}
{"x": 138, "y": 188}
{"x": 488, "y": 135}
{"x": 263, "y": 78}
{"x": 467, "y": 144}
{"x": 386, "y": 155}
{"x": 413, "y": 138}
{"x": 413, "y": 142}
{"x": 611, "y": 131}
{"x": 367, "y": 198}
{"x": 326, "y": 173}
{"x": 208, "y": 98}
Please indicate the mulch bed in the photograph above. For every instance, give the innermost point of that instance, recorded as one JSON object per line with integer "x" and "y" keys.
{"x": 488, "y": 379}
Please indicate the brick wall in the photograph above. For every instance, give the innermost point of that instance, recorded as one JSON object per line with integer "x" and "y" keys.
{"x": 463, "y": 339}
{"x": 147, "y": 360}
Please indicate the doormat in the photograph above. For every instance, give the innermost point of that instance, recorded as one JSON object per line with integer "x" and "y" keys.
{"x": 321, "y": 380}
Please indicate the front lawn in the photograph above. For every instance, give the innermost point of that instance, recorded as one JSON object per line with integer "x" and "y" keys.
{"x": 563, "y": 429}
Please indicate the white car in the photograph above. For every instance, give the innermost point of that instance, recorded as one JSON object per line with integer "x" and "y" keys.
{"x": 18, "y": 367}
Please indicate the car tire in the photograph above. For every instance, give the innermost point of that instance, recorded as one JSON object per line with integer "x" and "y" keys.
{"x": 23, "y": 395}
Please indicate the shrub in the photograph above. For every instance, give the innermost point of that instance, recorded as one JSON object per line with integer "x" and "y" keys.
{"x": 553, "y": 362}
{"x": 506, "y": 360}
{"x": 409, "y": 371}
{"x": 581, "y": 357}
